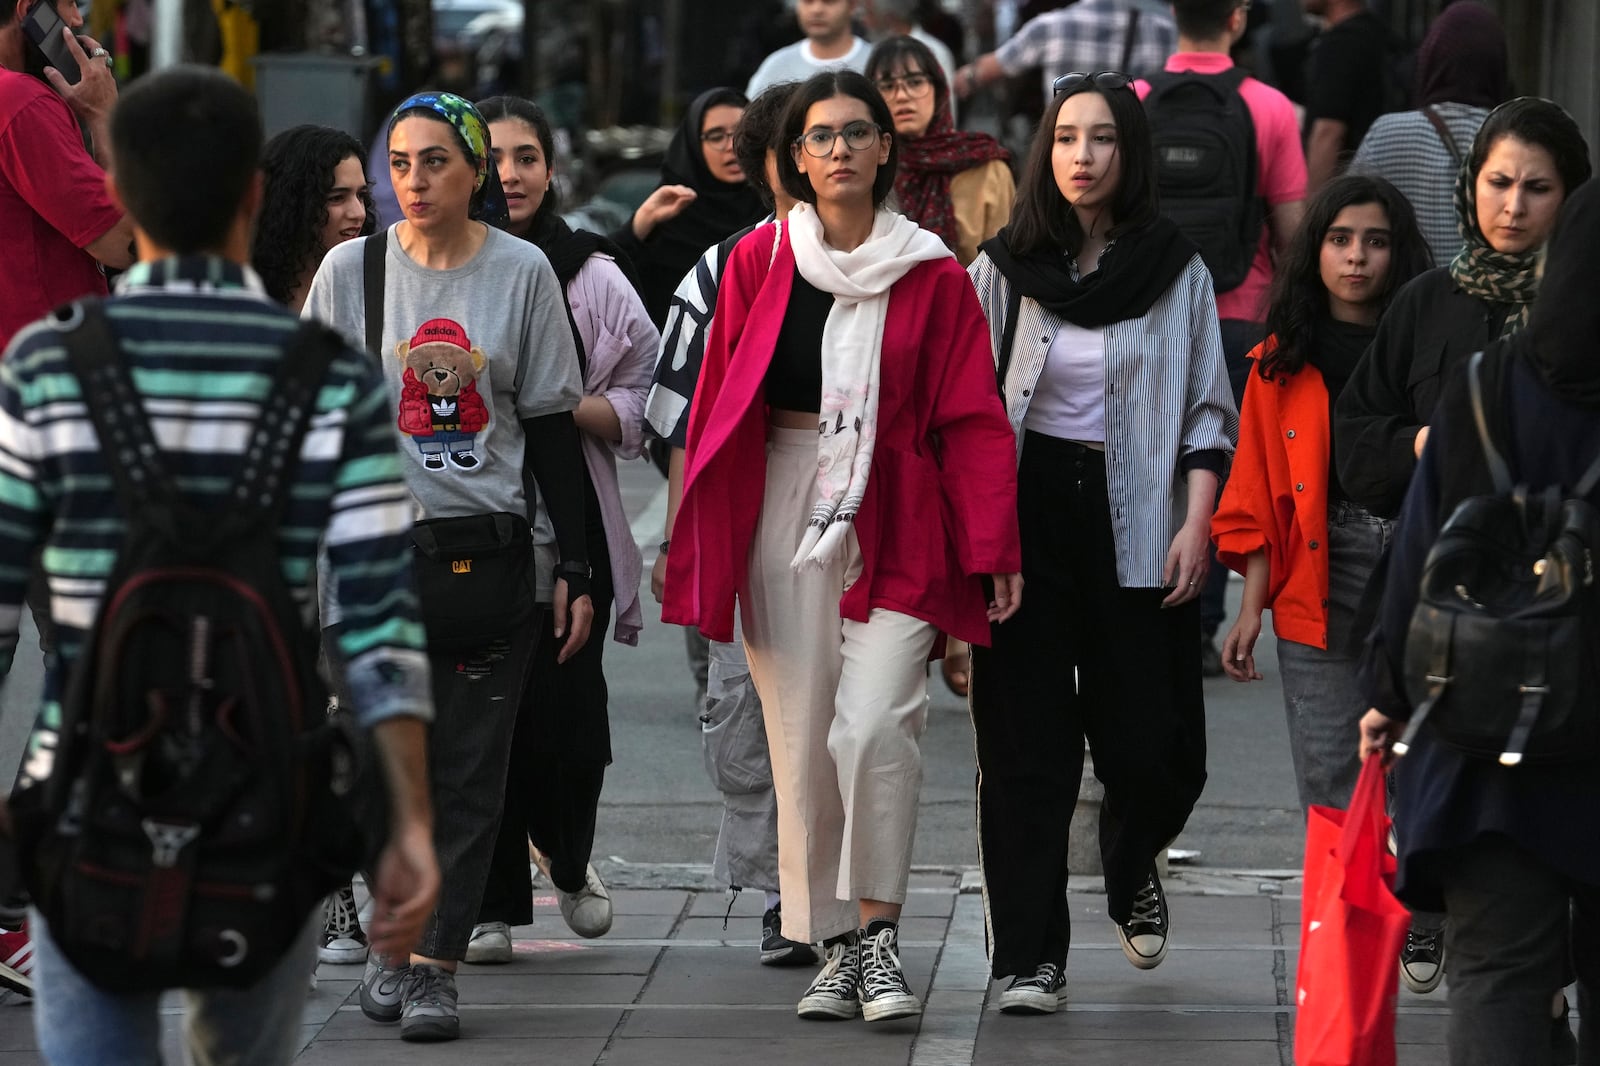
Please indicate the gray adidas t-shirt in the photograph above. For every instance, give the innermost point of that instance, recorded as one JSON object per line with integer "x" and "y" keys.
{"x": 467, "y": 353}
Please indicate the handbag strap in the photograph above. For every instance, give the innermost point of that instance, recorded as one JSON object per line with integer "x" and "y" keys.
{"x": 1498, "y": 471}
{"x": 1128, "y": 40}
{"x": 1443, "y": 130}
{"x": 373, "y": 255}
{"x": 1008, "y": 336}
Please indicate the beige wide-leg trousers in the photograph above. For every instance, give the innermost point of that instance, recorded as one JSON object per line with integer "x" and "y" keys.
{"x": 845, "y": 705}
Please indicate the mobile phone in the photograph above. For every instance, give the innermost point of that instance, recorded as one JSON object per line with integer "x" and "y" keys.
{"x": 43, "y": 26}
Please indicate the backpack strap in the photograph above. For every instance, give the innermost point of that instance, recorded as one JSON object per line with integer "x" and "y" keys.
{"x": 1129, "y": 39}
{"x": 373, "y": 256}
{"x": 118, "y": 415}
{"x": 260, "y": 489}
{"x": 1008, "y": 336}
{"x": 1439, "y": 127}
{"x": 1498, "y": 471}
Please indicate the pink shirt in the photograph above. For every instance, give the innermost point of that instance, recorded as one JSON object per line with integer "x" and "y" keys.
{"x": 1281, "y": 178}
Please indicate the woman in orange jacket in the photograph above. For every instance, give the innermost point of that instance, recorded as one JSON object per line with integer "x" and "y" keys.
{"x": 1305, "y": 549}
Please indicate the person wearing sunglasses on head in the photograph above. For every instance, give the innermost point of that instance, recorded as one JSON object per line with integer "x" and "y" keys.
{"x": 849, "y": 481}
{"x": 1105, "y": 323}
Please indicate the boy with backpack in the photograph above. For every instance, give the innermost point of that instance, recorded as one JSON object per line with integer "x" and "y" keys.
{"x": 1232, "y": 175}
{"x": 179, "y": 452}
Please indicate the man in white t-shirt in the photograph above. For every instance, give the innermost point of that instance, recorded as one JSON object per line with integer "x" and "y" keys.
{"x": 829, "y": 44}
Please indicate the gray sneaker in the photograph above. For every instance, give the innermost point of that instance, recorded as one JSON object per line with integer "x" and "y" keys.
{"x": 381, "y": 989}
{"x": 430, "y": 1012}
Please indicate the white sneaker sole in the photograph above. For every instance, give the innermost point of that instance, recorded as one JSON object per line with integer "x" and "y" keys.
{"x": 887, "y": 1008}
{"x": 1142, "y": 962}
{"x": 1031, "y": 1001}
{"x": 342, "y": 956}
{"x": 489, "y": 954}
{"x": 827, "y": 1009}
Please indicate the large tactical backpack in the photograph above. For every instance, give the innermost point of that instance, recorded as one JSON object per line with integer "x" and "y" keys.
{"x": 1502, "y": 658}
{"x": 1205, "y": 143}
{"x": 197, "y": 808}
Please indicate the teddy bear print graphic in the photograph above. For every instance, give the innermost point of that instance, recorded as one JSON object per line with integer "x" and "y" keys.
{"x": 440, "y": 407}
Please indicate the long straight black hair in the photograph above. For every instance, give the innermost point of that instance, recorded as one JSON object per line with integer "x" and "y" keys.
{"x": 1043, "y": 221}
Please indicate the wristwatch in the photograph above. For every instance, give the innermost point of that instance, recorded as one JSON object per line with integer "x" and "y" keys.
{"x": 664, "y": 545}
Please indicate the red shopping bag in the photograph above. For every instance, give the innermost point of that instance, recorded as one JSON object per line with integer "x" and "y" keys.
{"x": 1351, "y": 930}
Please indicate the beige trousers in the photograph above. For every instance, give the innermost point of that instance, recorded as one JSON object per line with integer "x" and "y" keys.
{"x": 845, "y": 705}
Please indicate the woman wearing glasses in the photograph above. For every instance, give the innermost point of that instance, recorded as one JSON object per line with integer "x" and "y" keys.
{"x": 850, "y": 479}
{"x": 954, "y": 183}
{"x": 1104, "y": 320}
{"x": 703, "y": 197}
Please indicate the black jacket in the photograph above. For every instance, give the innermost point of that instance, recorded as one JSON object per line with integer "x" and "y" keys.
{"x": 1430, "y": 329}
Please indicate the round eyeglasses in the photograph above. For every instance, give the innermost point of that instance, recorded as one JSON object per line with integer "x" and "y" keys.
{"x": 858, "y": 137}
{"x": 720, "y": 137}
{"x": 1104, "y": 79}
{"x": 915, "y": 85}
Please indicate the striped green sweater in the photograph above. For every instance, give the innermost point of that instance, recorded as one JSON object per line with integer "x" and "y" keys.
{"x": 203, "y": 342}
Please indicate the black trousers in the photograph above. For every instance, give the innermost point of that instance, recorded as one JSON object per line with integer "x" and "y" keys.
{"x": 1137, "y": 701}
{"x": 1506, "y": 950}
{"x": 559, "y": 751}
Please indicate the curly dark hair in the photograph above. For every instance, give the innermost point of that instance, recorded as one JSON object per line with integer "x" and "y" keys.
{"x": 1300, "y": 299}
{"x": 297, "y": 170}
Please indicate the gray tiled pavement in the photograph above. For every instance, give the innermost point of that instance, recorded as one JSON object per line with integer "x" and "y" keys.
{"x": 670, "y": 987}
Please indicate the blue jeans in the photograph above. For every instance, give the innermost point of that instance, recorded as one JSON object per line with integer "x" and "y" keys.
{"x": 80, "y": 1024}
{"x": 1321, "y": 696}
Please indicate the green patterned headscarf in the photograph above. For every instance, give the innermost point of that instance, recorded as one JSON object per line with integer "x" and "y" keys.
{"x": 1495, "y": 277}
{"x": 488, "y": 201}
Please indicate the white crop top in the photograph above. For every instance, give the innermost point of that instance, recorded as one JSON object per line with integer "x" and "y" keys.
{"x": 1069, "y": 399}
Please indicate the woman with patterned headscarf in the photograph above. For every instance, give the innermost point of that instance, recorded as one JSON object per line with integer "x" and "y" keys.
{"x": 470, "y": 325}
{"x": 1527, "y": 157}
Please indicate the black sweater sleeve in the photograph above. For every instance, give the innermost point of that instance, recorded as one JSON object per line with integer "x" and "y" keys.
{"x": 555, "y": 459}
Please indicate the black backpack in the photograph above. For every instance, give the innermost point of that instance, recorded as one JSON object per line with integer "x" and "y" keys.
{"x": 198, "y": 805}
{"x": 1501, "y": 656}
{"x": 1205, "y": 143}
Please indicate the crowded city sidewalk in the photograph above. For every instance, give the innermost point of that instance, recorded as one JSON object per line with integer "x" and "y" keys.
{"x": 669, "y": 986}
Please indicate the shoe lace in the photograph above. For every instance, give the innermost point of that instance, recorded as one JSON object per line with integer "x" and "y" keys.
{"x": 838, "y": 975}
{"x": 429, "y": 986}
{"x": 1422, "y": 942}
{"x": 880, "y": 970}
{"x": 1146, "y": 905}
{"x": 1043, "y": 978}
{"x": 339, "y": 915}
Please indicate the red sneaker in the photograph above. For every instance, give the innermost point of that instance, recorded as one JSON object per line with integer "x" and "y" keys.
{"x": 16, "y": 961}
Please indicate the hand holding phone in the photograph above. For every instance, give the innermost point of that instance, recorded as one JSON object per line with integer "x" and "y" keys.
{"x": 43, "y": 26}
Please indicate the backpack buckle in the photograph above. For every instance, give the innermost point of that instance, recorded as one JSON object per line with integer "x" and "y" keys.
{"x": 167, "y": 841}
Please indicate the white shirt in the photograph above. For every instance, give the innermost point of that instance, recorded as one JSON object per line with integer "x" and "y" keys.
{"x": 798, "y": 61}
{"x": 1069, "y": 399}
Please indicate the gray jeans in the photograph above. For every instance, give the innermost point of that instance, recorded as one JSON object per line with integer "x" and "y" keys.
{"x": 1321, "y": 696}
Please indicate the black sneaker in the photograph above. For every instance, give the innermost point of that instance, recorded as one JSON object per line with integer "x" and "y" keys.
{"x": 884, "y": 992}
{"x": 1144, "y": 937}
{"x": 343, "y": 942}
{"x": 1210, "y": 658}
{"x": 1422, "y": 960}
{"x": 779, "y": 950}
{"x": 835, "y": 991}
{"x": 1038, "y": 993}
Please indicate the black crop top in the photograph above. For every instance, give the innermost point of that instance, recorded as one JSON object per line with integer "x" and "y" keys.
{"x": 794, "y": 379}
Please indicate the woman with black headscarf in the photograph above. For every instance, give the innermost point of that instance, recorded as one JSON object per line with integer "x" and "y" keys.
{"x": 702, "y": 199}
{"x": 1506, "y": 850}
{"x": 1461, "y": 74}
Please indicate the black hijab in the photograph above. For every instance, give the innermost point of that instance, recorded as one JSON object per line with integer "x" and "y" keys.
{"x": 719, "y": 208}
{"x": 1135, "y": 269}
{"x": 1562, "y": 340}
{"x": 1463, "y": 58}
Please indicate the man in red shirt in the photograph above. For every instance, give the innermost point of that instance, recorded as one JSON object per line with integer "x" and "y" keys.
{"x": 59, "y": 222}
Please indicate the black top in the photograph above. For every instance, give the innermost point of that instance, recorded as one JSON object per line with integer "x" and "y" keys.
{"x": 794, "y": 379}
{"x": 1339, "y": 347}
{"x": 1347, "y": 75}
{"x": 1443, "y": 798}
{"x": 1430, "y": 329}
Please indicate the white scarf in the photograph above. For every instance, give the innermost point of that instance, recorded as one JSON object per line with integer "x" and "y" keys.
{"x": 852, "y": 349}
